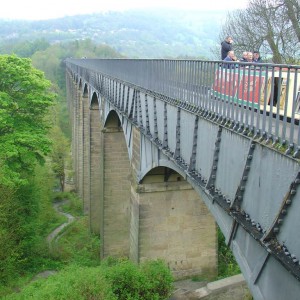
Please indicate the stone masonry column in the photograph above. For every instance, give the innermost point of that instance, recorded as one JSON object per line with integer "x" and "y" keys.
{"x": 95, "y": 168}
{"x": 169, "y": 221}
{"x": 86, "y": 154}
{"x": 116, "y": 206}
{"x": 75, "y": 137}
{"x": 80, "y": 145}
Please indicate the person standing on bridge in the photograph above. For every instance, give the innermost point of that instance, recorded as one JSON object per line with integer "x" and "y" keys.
{"x": 256, "y": 57}
{"x": 230, "y": 57}
{"x": 226, "y": 46}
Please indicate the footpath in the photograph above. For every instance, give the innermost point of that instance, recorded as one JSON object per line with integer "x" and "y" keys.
{"x": 54, "y": 236}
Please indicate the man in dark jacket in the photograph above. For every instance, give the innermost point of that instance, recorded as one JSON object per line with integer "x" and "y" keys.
{"x": 256, "y": 57}
{"x": 226, "y": 46}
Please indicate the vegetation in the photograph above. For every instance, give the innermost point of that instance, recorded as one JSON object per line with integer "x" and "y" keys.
{"x": 113, "y": 280}
{"x": 135, "y": 34}
{"x": 25, "y": 98}
{"x": 227, "y": 265}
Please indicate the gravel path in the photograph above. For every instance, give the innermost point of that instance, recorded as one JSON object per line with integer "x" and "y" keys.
{"x": 55, "y": 234}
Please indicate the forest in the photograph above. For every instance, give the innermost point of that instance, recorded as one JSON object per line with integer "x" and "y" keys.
{"x": 134, "y": 34}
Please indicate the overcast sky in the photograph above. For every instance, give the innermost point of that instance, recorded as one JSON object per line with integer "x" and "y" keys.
{"x": 47, "y": 9}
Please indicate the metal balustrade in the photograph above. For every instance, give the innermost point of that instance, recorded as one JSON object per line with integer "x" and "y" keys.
{"x": 259, "y": 100}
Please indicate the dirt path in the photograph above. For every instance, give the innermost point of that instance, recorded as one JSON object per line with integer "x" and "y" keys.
{"x": 54, "y": 236}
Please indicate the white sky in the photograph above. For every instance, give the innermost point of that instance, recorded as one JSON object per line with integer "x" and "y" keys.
{"x": 48, "y": 9}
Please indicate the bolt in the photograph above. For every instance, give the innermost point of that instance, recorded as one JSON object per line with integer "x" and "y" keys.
{"x": 288, "y": 201}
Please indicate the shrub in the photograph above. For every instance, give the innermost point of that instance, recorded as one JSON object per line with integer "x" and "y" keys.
{"x": 151, "y": 280}
{"x": 76, "y": 283}
{"x": 159, "y": 278}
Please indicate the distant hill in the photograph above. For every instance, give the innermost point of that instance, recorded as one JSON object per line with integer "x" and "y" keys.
{"x": 135, "y": 34}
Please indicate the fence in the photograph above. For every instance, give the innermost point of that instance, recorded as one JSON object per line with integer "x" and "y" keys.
{"x": 262, "y": 100}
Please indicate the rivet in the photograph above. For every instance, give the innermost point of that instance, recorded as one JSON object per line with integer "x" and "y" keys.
{"x": 279, "y": 221}
{"x": 295, "y": 260}
{"x": 276, "y": 230}
{"x": 288, "y": 201}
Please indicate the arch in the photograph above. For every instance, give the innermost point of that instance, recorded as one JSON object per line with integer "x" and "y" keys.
{"x": 85, "y": 91}
{"x": 112, "y": 120}
{"x": 162, "y": 174}
{"x": 95, "y": 164}
{"x": 170, "y": 221}
{"x": 162, "y": 163}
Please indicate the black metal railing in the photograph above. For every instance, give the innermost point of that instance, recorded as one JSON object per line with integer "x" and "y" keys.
{"x": 262, "y": 100}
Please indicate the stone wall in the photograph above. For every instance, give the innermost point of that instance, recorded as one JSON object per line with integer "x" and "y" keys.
{"x": 175, "y": 225}
{"x": 116, "y": 209}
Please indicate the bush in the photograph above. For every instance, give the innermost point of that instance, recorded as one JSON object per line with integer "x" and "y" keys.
{"x": 76, "y": 283}
{"x": 151, "y": 280}
{"x": 77, "y": 245}
{"x": 159, "y": 278}
{"x": 115, "y": 279}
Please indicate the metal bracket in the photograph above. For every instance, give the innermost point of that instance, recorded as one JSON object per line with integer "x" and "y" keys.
{"x": 212, "y": 178}
{"x": 177, "y": 150}
{"x": 286, "y": 203}
{"x": 148, "y": 132}
{"x": 194, "y": 150}
{"x": 165, "y": 141}
{"x": 236, "y": 203}
{"x": 131, "y": 112}
{"x": 233, "y": 231}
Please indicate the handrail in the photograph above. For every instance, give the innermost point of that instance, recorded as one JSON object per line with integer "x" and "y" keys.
{"x": 260, "y": 100}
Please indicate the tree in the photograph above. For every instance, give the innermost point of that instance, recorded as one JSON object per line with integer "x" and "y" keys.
{"x": 25, "y": 97}
{"x": 59, "y": 154}
{"x": 270, "y": 26}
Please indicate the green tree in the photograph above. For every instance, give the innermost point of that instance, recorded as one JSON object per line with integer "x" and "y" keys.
{"x": 25, "y": 97}
{"x": 59, "y": 155}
